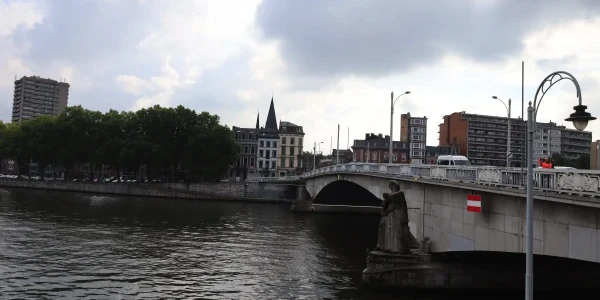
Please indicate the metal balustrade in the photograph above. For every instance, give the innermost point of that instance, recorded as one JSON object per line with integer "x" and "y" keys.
{"x": 572, "y": 181}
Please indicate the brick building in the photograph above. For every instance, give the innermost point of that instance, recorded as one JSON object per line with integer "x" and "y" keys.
{"x": 413, "y": 130}
{"x": 481, "y": 138}
{"x": 375, "y": 149}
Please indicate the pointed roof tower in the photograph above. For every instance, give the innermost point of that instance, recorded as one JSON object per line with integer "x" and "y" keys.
{"x": 257, "y": 118}
{"x": 271, "y": 119}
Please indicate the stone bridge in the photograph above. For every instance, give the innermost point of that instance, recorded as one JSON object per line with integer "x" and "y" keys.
{"x": 566, "y": 205}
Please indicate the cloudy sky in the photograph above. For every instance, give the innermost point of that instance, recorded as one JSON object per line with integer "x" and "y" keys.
{"x": 326, "y": 62}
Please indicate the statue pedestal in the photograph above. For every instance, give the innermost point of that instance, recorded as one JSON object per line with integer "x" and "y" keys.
{"x": 399, "y": 271}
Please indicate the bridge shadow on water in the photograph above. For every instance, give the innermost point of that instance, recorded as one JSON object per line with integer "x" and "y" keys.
{"x": 343, "y": 192}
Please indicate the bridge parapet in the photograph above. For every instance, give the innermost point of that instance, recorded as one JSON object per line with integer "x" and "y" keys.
{"x": 571, "y": 181}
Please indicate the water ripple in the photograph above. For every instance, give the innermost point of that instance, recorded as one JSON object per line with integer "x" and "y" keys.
{"x": 59, "y": 246}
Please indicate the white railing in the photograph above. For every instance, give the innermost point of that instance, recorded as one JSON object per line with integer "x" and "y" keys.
{"x": 272, "y": 179}
{"x": 557, "y": 180}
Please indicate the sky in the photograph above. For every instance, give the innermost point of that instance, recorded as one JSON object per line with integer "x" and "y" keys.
{"x": 324, "y": 62}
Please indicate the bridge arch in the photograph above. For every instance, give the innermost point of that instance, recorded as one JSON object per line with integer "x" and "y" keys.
{"x": 344, "y": 192}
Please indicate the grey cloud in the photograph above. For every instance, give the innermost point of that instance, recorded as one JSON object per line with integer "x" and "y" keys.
{"x": 374, "y": 38}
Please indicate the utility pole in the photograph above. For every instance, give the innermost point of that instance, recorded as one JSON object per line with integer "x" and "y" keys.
{"x": 337, "y": 157}
{"x": 315, "y": 156}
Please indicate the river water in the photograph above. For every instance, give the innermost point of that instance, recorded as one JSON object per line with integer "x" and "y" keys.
{"x": 63, "y": 246}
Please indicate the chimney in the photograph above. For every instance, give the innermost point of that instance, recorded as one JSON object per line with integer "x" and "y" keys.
{"x": 381, "y": 135}
{"x": 367, "y": 135}
{"x": 387, "y": 137}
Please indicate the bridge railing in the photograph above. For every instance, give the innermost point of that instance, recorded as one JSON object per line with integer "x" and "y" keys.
{"x": 557, "y": 180}
{"x": 274, "y": 179}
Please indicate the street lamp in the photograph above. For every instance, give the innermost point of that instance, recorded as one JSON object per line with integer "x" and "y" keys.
{"x": 508, "y": 140}
{"x": 580, "y": 119}
{"x": 315, "y": 154}
{"x": 393, "y": 102}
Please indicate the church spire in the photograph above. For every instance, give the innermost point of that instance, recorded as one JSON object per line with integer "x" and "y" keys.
{"x": 257, "y": 118}
{"x": 271, "y": 118}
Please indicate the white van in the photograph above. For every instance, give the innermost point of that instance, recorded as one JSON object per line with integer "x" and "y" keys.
{"x": 453, "y": 160}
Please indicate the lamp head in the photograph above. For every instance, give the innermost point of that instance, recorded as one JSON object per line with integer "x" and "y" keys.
{"x": 407, "y": 92}
{"x": 494, "y": 97}
{"x": 580, "y": 117}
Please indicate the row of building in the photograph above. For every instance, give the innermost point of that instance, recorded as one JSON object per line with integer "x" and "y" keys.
{"x": 272, "y": 150}
{"x": 483, "y": 139}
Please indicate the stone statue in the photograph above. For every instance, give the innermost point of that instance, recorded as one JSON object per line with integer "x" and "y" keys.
{"x": 394, "y": 234}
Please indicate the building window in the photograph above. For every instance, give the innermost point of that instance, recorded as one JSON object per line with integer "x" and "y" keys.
{"x": 273, "y": 164}
{"x": 245, "y": 162}
{"x": 385, "y": 155}
{"x": 367, "y": 156}
{"x": 274, "y": 152}
{"x": 374, "y": 155}
{"x": 245, "y": 149}
{"x": 252, "y": 161}
{"x": 291, "y": 151}
{"x": 283, "y": 141}
{"x": 394, "y": 157}
{"x": 417, "y": 153}
{"x": 261, "y": 144}
{"x": 282, "y": 150}
{"x": 268, "y": 144}
{"x": 260, "y": 164}
{"x": 252, "y": 150}
{"x": 274, "y": 144}
{"x": 292, "y": 141}
{"x": 260, "y": 153}
{"x": 300, "y": 142}
{"x": 282, "y": 163}
{"x": 403, "y": 156}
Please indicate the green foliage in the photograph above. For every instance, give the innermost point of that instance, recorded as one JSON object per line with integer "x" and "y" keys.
{"x": 163, "y": 139}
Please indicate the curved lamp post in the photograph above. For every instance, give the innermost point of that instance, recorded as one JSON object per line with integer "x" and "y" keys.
{"x": 508, "y": 129}
{"x": 580, "y": 119}
{"x": 393, "y": 102}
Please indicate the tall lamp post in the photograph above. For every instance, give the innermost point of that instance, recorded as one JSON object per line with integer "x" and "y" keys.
{"x": 315, "y": 154}
{"x": 508, "y": 108}
{"x": 393, "y": 102}
{"x": 580, "y": 119}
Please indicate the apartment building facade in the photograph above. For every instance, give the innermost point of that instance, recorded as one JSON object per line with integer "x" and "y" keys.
{"x": 35, "y": 96}
{"x": 483, "y": 139}
{"x": 413, "y": 130}
{"x": 375, "y": 149}
{"x": 291, "y": 141}
{"x": 595, "y": 155}
{"x": 247, "y": 141}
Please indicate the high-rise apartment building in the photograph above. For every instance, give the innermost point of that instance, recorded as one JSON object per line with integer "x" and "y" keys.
{"x": 413, "y": 130}
{"x": 483, "y": 139}
{"x": 35, "y": 96}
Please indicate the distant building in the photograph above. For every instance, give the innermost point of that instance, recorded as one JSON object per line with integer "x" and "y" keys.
{"x": 246, "y": 139}
{"x": 375, "y": 149}
{"x": 35, "y": 96}
{"x": 291, "y": 146}
{"x": 414, "y": 131}
{"x": 483, "y": 139}
{"x": 433, "y": 152}
{"x": 268, "y": 140}
{"x": 595, "y": 156}
{"x": 346, "y": 156}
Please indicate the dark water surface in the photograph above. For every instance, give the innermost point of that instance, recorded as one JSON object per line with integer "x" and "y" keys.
{"x": 63, "y": 246}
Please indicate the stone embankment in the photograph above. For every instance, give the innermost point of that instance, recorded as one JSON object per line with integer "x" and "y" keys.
{"x": 254, "y": 192}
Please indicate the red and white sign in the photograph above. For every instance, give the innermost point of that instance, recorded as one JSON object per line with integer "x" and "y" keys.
{"x": 474, "y": 203}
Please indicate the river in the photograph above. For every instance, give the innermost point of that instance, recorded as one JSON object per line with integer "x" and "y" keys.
{"x": 62, "y": 246}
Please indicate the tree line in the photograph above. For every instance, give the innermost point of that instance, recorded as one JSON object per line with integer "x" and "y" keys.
{"x": 172, "y": 143}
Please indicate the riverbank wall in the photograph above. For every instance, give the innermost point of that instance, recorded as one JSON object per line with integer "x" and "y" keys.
{"x": 233, "y": 191}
